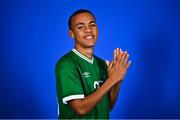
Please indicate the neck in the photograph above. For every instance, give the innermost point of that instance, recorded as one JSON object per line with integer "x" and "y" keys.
{"x": 88, "y": 52}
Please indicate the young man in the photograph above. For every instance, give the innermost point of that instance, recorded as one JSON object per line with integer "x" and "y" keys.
{"x": 87, "y": 87}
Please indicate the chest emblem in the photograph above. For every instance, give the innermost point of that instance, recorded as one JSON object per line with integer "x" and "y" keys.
{"x": 86, "y": 74}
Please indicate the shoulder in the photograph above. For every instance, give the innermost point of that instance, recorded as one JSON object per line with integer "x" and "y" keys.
{"x": 65, "y": 61}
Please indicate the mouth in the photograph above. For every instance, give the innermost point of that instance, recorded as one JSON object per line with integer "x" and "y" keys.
{"x": 89, "y": 37}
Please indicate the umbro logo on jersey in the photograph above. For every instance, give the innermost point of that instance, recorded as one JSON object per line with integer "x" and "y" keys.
{"x": 86, "y": 74}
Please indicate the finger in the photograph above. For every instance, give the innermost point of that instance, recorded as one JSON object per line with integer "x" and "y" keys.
{"x": 115, "y": 54}
{"x": 118, "y": 51}
{"x": 121, "y": 53}
{"x": 123, "y": 57}
{"x": 119, "y": 57}
{"x": 128, "y": 64}
{"x": 107, "y": 62}
{"x": 110, "y": 65}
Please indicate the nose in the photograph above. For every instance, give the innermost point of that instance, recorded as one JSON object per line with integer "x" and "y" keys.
{"x": 87, "y": 29}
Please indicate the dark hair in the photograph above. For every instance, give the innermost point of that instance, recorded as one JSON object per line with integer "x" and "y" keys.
{"x": 78, "y": 12}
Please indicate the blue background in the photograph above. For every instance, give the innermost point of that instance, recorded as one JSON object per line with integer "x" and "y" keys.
{"x": 34, "y": 35}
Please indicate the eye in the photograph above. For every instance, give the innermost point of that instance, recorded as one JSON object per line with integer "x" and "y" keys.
{"x": 80, "y": 27}
{"x": 92, "y": 24}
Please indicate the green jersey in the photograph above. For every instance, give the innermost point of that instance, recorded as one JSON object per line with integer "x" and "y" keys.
{"x": 76, "y": 77}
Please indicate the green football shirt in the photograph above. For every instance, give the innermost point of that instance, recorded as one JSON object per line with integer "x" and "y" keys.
{"x": 76, "y": 77}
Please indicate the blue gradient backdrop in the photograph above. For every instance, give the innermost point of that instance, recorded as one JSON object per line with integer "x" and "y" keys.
{"x": 34, "y": 36}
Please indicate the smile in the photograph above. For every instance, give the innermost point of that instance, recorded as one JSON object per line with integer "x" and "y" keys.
{"x": 89, "y": 37}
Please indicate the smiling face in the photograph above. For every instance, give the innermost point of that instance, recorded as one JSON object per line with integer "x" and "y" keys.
{"x": 84, "y": 30}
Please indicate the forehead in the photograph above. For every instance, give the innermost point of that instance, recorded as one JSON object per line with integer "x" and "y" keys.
{"x": 82, "y": 18}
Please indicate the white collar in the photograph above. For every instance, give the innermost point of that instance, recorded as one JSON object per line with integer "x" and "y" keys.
{"x": 83, "y": 56}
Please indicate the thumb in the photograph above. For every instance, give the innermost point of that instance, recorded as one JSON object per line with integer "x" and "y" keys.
{"x": 107, "y": 62}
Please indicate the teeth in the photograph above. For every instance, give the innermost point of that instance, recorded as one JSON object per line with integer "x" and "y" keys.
{"x": 89, "y": 37}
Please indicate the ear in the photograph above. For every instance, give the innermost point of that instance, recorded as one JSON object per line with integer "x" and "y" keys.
{"x": 71, "y": 34}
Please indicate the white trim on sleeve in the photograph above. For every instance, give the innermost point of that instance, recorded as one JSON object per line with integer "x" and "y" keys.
{"x": 71, "y": 97}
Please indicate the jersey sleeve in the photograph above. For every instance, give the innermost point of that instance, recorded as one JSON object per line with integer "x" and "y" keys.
{"x": 69, "y": 82}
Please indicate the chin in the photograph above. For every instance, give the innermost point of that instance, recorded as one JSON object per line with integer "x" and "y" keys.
{"x": 90, "y": 46}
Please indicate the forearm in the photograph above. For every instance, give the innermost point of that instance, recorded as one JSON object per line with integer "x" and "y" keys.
{"x": 113, "y": 94}
{"x": 83, "y": 106}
